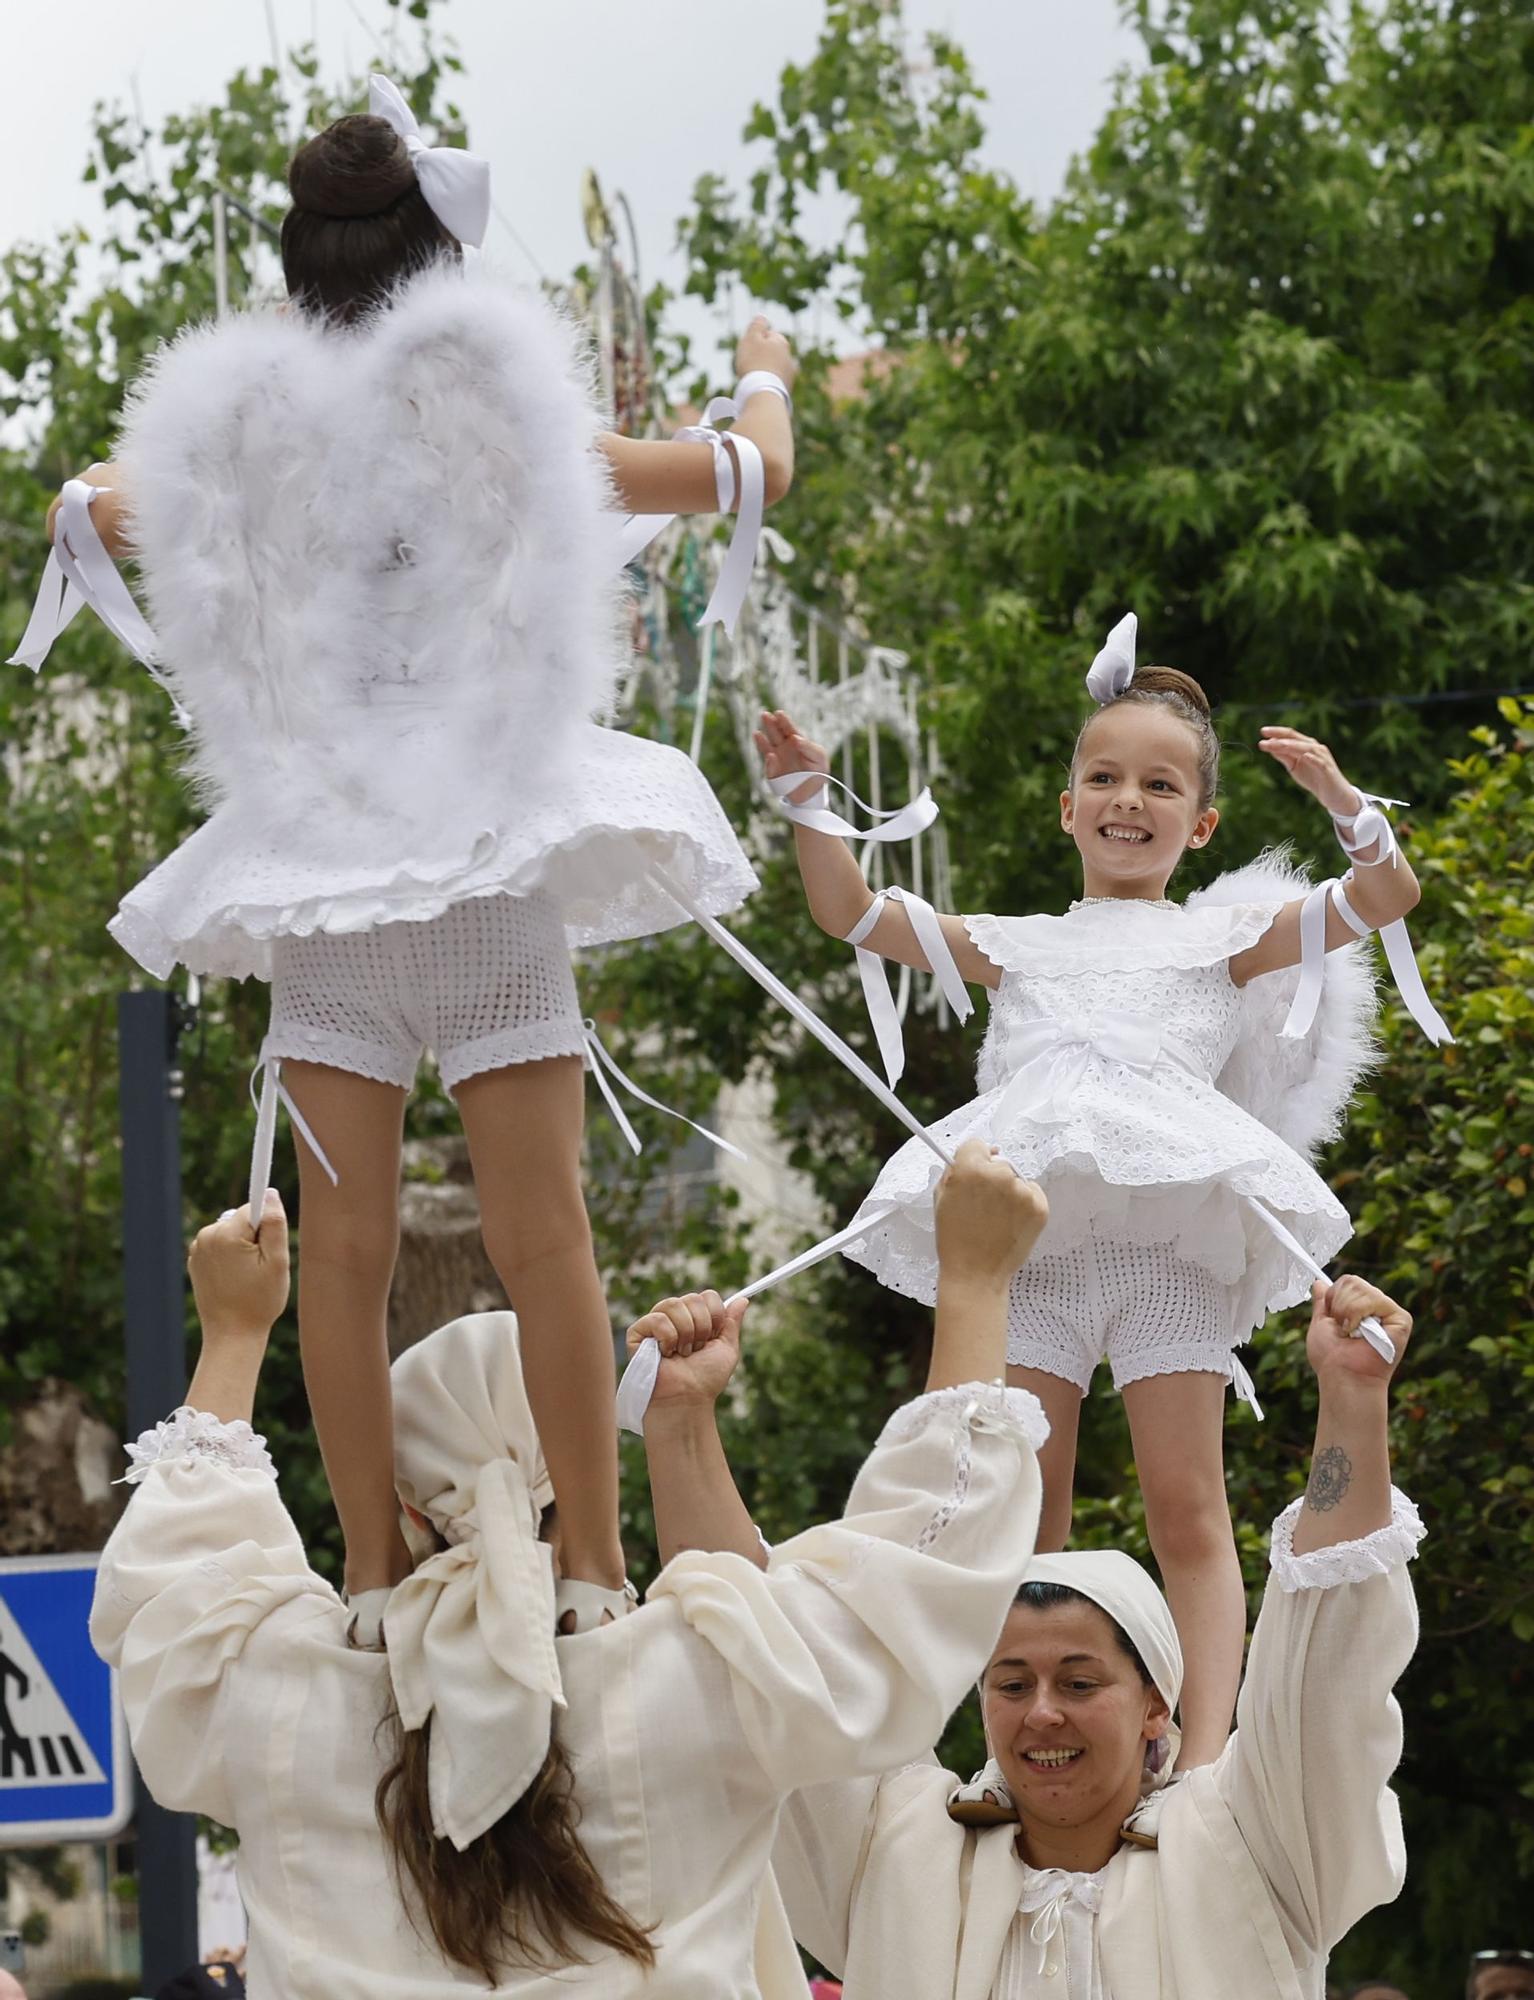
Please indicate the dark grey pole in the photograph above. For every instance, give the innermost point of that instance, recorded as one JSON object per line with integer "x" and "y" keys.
{"x": 149, "y": 1100}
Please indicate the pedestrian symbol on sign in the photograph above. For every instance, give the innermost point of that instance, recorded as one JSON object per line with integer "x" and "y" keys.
{"x": 64, "y": 1771}
{"x": 39, "y": 1738}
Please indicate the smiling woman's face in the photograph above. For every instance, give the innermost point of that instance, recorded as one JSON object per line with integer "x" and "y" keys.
{"x": 1068, "y": 1716}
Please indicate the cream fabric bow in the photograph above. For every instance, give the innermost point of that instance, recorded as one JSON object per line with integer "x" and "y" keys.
{"x": 456, "y": 184}
{"x": 1113, "y": 669}
{"x": 471, "y": 1631}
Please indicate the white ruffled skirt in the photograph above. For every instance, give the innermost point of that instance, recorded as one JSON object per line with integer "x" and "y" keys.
{"x": 1152, "y": 1160}
{"x": 621, "y": 805}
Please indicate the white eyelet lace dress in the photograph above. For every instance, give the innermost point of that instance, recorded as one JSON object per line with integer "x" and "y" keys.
{"x": 1097, "y": 1079}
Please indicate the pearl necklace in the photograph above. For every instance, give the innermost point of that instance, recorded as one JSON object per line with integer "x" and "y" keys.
{"x": 1144, "y": 902}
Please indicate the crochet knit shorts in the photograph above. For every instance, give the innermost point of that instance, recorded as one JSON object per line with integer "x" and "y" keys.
{"x": 485, "y": 985}
{"x": 1136, "y": 1305}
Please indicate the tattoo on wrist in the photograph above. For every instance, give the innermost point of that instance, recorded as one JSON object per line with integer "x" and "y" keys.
{"x": 1331, "y": 1474}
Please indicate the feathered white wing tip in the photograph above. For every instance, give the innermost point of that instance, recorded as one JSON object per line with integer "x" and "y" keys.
{"x": 1299, "y": 1089}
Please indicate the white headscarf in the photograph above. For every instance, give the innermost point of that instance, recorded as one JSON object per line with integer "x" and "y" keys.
{"x": 471, "y": 1631}
{"x": 1122, "y": 1588}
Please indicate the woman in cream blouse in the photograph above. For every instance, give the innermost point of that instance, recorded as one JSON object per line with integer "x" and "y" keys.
{"x": 1071, "y": 1869}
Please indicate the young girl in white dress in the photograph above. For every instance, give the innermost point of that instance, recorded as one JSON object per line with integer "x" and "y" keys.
{"x": 376, "y": 528}
{"x": 1108, "y": 1029}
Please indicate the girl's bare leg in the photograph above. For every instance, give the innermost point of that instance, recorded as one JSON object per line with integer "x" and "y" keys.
{"x": 348, "y": 1242}
{"x": 1177, "y": 1423}
{"x": 523, "y": 1124}
{"x": 1057, "y": 1461}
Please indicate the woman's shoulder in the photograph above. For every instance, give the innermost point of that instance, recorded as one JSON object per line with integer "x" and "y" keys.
{"x": 1121, "y": 935}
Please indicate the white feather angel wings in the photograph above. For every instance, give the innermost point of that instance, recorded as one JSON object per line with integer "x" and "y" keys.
{"x": 378, "y": 562}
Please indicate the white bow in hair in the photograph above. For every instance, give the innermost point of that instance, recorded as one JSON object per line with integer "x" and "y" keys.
{"x": 1113, "y": 669}
{"x": 456, "y": 184}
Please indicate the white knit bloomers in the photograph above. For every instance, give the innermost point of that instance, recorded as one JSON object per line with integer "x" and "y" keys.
{"x": 486, "y": 984}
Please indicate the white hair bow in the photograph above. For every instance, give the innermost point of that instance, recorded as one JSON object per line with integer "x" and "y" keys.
{"x": 456, "y": 184}
{"x": 1113, "y": 669}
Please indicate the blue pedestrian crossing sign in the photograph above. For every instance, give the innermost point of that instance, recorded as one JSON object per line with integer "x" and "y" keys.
{"x": 65, "y": 1772}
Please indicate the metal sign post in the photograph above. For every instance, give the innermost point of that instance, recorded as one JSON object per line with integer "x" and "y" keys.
{"x": 148, "y": 1028}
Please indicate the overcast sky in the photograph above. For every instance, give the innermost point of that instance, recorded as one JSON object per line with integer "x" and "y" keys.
{"x": 649, "y": 92}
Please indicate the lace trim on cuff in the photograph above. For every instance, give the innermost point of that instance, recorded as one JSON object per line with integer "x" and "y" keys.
{"x": 984, "y": 1406}
{"x": 1346, "y": 1562}
{"x": 188, "y": 1433}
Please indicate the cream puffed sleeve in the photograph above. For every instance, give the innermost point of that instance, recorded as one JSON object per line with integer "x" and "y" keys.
{"x": 204, "y": 1553}
{"x": 848, "y": 1653}
{"x": 1307, "y": 1774}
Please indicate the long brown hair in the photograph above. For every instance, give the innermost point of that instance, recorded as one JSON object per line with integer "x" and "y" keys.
{"x": 525, "y": 1892}
{"x": 1170, "y": 688}
{"x": 359, "y": 222}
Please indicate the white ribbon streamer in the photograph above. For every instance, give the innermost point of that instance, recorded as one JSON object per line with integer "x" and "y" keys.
{"x": 639, "y": 530}
{"x": 634, "y": 1396}
{"x": 598, "y": 1061}
{"x": 1113, "y": 669}
{"x": 456, "y": 184}
{"x": 1399, "y": 956}
{"x": 637, "y": 1384}
{"x": 896, "y": 823}
{"x": 882, "y": 1010}
{"x": 273, "y": 1093}
{"x": 805, "y": 1016}
{"x": 1368, "y": 1329}
{"x": 79, "y": 571}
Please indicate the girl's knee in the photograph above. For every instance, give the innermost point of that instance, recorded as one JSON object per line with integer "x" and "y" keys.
{"x": 360, "y": 1245}
{"x": 554, "y": 1225}
{"x": 1190, "y": 1526}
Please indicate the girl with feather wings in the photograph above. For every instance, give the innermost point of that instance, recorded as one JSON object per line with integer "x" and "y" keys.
{"x": 1164, "y": 1070}
{"x": 377, "y": 535}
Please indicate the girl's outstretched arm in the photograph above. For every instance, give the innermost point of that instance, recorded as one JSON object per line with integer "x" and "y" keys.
{"x": 833, "y": 882}
{"x": 1380, "y": 891}
{"x": 669, "y": 476}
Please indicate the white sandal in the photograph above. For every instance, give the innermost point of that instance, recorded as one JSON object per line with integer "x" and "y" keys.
{"x": 590, "y": 1605}
{"x": 365, "y": 1616}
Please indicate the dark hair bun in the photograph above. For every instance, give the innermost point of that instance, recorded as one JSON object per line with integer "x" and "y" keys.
{"x": 1171, "y": 680}
{"x": 358, "y": 166}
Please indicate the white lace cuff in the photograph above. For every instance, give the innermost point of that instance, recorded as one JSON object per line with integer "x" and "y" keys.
{"x": 986, "y": 1406}
{"x": 188, "y": 1433}
{"x": 1345, "y": 1562}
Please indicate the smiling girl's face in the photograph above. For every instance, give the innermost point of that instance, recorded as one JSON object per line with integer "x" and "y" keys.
{"x": 1134, "y": 805}
{"x": 1068, "y": 1717}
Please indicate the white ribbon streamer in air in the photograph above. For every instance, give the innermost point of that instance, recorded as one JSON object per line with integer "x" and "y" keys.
{"x": 599, "y": 1062}
{"x": 899, "y": 823}
{"x": 644, "y": 1364}
{"x": 456, "y": 184}
{"x": 273, "y": 1093}
{"x": 1368, "y": 1329}
{"x": 1113, "y": 669}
